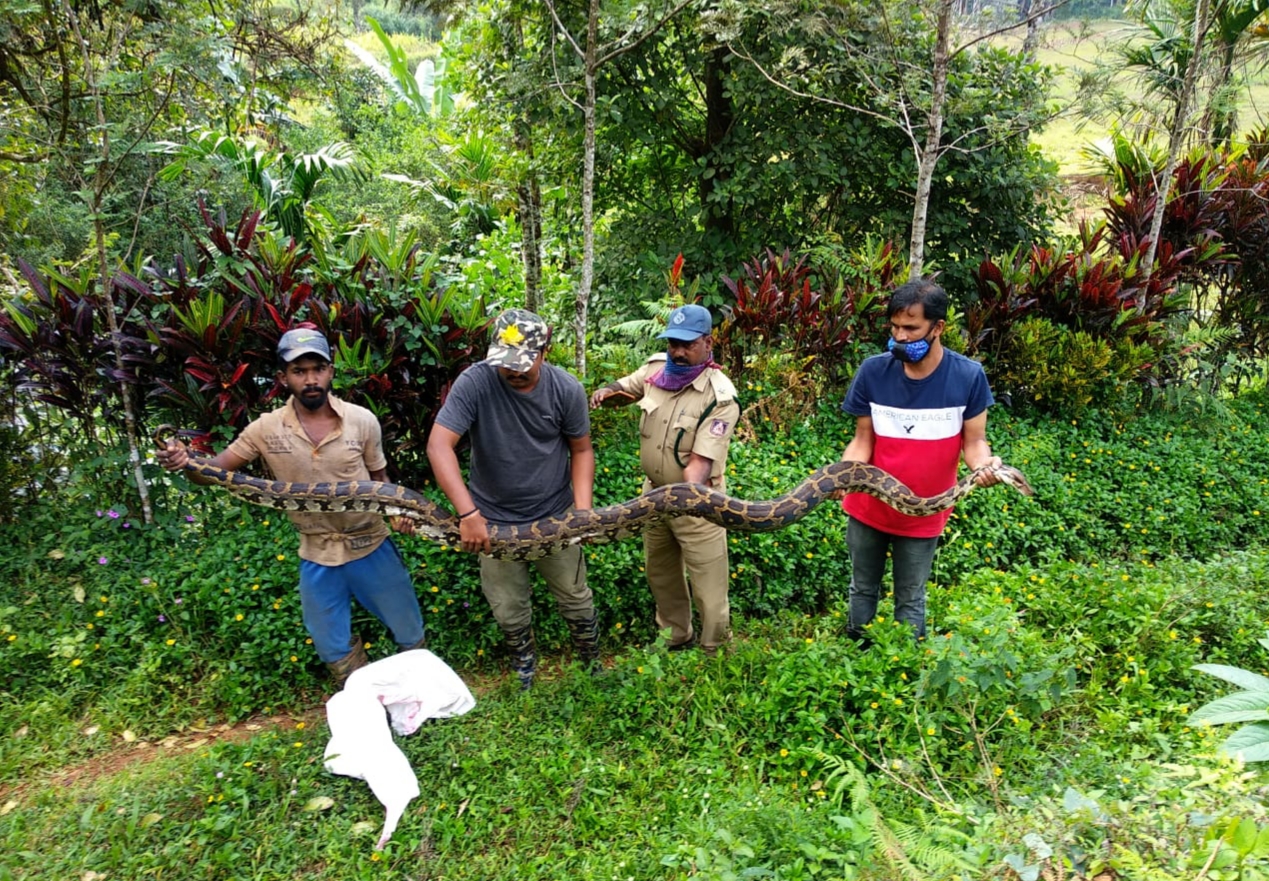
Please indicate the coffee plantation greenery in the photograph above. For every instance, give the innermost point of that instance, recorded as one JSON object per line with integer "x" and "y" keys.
{"x": 1041, "y": 728}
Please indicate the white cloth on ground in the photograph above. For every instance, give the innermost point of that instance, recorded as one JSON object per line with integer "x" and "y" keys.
{"x": 413, "y": 686}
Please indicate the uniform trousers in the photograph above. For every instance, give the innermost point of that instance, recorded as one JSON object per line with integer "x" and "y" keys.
{"x": 686, "y": 548}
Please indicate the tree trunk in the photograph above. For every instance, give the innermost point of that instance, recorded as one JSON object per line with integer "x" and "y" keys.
{"x": 1219, "y": 122}
{"x": 720, "y": 222}
{"x": 1033, "y": 27}
{"x": 588, "y": 189}
{"x": 1176, "y": 140}
{"x": 933, "y": 137}
{"x": 100, "y": 182}
{"x": 529, "y": 196}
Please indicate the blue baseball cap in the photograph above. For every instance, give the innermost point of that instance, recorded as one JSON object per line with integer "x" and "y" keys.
{"x": 688, "y": 323}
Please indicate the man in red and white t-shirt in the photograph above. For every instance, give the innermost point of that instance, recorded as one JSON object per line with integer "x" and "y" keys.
{"x": 920, "y": 409}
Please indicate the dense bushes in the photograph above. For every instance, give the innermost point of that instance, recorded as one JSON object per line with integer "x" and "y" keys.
{"x": 198, "y": 339}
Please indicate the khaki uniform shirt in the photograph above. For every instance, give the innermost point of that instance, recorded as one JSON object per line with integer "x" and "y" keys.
{"x": 350, "y": 451}
{"x": 675, "y": 424}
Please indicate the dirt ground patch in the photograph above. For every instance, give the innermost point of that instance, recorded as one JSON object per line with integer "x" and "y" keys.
{"x": 130, "y": 751}
{"x": 127, "y": 751}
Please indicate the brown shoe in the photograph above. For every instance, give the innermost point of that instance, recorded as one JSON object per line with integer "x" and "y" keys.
{"x": 356, "y": 659}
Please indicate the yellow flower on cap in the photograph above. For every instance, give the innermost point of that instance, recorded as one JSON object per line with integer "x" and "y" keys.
{"x": 511, "y": 336}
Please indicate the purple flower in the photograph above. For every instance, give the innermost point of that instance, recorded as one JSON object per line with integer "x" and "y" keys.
{"x": 178, "y": 601}
{"x": 466, "y": 605}
{"x": 162, "y": 619}
{"x": 127, "y": 525}
{"x": 102, "y": 560}
{"x": 189, "y": 518}
{"x": 112, "y": 514}
{"x": 145, "y": 580}
{"x": 99, "y": 513}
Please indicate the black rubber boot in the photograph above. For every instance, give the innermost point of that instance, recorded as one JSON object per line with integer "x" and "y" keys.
{"x": 356, "y": 659}
{"x": 524, "y": 655}
{"x": 859, "y": 637}
{"x": 585, "y": 632}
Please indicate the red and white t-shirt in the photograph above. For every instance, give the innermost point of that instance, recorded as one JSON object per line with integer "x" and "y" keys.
{"x": 918, "y": 425}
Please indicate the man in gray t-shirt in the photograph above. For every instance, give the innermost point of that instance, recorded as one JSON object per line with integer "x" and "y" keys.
{"x": 531, "y": 457}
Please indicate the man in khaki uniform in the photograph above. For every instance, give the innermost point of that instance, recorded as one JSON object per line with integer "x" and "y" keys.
{"x": 689, "y": 413}
{"x": 316, "y": 437}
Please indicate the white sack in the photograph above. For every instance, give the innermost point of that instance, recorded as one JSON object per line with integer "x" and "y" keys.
{"x": 413, "y": 686}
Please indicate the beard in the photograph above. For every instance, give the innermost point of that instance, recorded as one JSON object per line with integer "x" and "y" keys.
{"x": 313, "y": 399}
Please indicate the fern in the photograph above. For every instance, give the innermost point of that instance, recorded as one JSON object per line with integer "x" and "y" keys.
{"x": 917, "y": 851}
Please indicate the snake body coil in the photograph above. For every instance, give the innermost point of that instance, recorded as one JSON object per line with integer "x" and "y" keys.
{"x": 543, "y": 537}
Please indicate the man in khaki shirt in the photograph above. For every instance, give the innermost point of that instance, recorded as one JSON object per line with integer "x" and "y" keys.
{"x": 316, "y": 437}
{"x": 689, "y": 413}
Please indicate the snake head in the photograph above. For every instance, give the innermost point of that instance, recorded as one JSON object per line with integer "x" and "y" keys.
{"x": 1012, "y": 476}
{"x": 165, "y": 434}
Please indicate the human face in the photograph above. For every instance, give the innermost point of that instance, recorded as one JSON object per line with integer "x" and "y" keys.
{"x": 309, "y": 379}
{"x": 689, "y": 353}
{"x": 911, "y": 325}
{"x": 523, "y": 380}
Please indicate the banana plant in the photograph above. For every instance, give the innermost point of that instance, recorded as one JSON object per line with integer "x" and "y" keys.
{"x": 423, "y": 91}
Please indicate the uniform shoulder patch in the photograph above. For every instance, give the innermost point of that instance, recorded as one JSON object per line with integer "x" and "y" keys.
{"x": 724, "y": 390}
{"x": 718, "y": 427}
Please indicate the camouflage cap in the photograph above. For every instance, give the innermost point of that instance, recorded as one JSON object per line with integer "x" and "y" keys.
{"x": 518, "y": 337}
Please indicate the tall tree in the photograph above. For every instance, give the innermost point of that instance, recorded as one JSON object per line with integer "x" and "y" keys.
{"x": 643, "y": 23}
{"x": 85, "y": 86}
{"x": 1177, "y": 133}
{"x": 873, "y": 71}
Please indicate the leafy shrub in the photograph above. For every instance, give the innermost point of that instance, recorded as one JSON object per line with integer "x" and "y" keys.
{"x": 199, "y": 340}
{"x": 1059, "y": 370}
{"x": 784, "y": 306}
{"x": 1095, "y": 296}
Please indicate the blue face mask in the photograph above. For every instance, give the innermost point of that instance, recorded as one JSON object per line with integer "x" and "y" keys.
{"x": 910, "y": 352}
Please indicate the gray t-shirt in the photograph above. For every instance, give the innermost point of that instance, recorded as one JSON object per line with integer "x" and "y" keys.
{"x": 520, "y": 456}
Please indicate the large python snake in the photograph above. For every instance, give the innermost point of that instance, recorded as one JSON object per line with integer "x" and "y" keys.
{"x": 541, "y": 538}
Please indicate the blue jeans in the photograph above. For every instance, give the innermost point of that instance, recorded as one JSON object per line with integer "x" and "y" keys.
{"x": 378, "y": 581}
{"x": 913, "y": 559}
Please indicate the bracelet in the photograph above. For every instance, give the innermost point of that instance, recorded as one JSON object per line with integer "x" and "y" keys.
{"x": 469, "y": 513}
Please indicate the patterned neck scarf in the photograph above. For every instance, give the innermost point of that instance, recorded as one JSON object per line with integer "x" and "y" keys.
{"x": 674, "y": 377}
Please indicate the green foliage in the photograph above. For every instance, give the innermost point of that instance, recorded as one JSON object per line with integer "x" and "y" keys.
{"x": 677, "y": 766}
{"x": 1251, "y": 742}
{"x": 284, "y": 183}
{"x": 422, "y": 91}
{"x": 784, "y": 307}
{"x": 1059, "y": 370}
{"x": 199, "y": 339}
{"x": 397, "y": 20}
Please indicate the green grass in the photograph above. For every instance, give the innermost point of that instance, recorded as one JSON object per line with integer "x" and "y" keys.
{"x": 1072, "y": 47}
{"x": 675, "y": 766}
